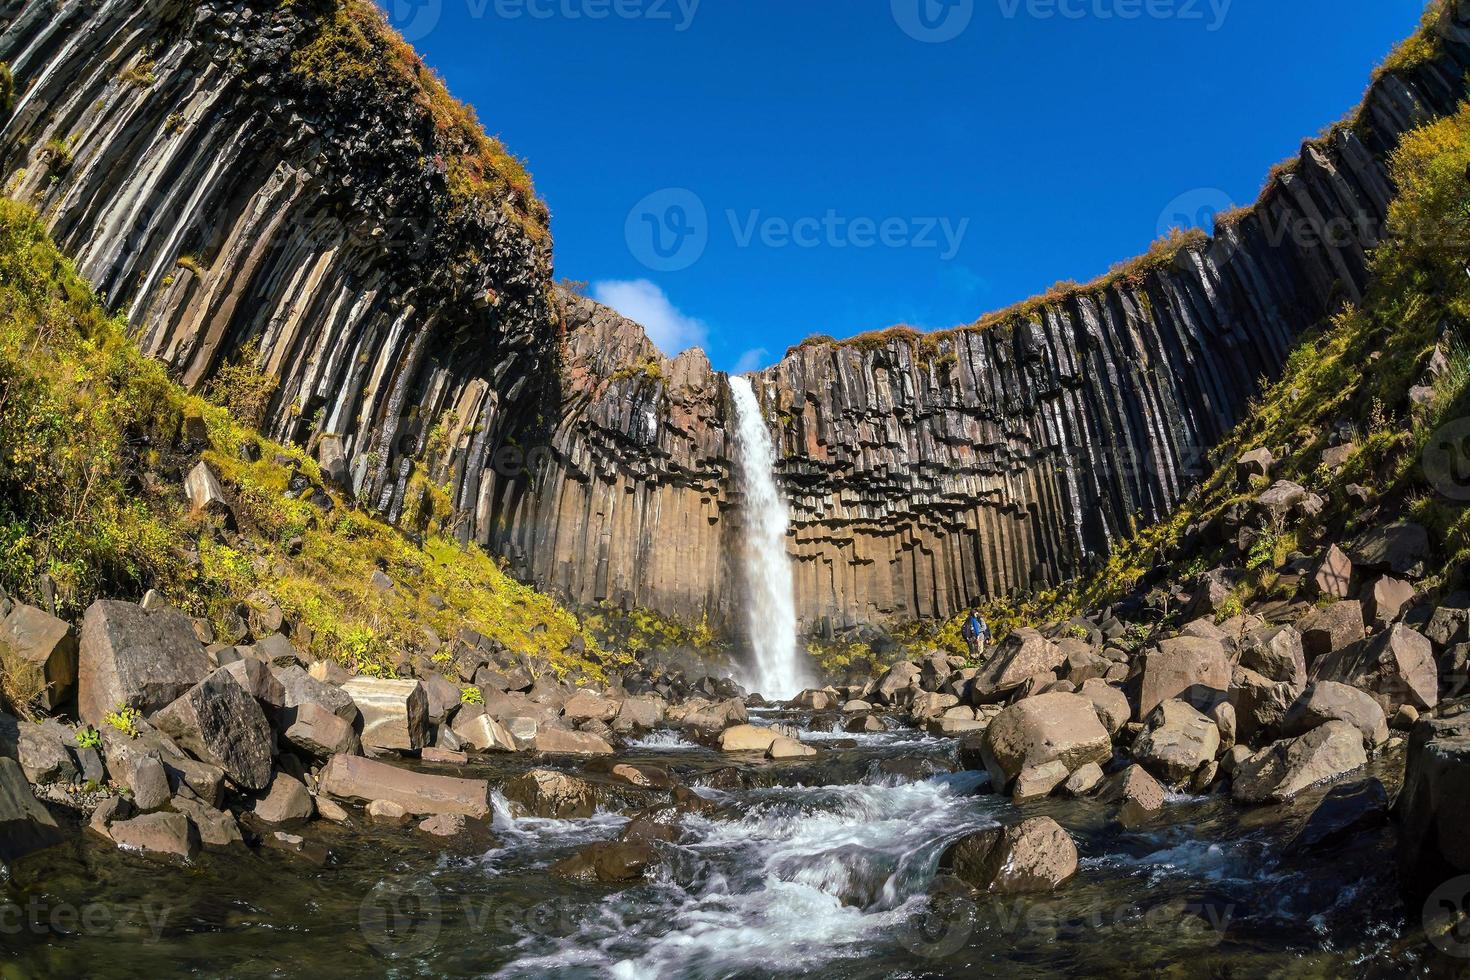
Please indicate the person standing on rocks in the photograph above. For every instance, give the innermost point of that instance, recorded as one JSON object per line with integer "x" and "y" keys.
{"x": 976, "y": 634}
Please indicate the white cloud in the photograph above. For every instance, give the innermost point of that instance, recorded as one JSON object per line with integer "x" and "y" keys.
{"x": 644, "y": 303}
{"x": 751, "y": 360}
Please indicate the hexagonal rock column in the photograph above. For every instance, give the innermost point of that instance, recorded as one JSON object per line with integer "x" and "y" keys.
{"x": 394, "y": 712}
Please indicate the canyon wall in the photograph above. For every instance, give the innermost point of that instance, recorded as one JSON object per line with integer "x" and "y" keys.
{"x": 282, "y": 180}
{"x": 925, "y": 472}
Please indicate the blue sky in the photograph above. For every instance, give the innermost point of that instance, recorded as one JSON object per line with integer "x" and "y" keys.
{"x": 740, "y": 174}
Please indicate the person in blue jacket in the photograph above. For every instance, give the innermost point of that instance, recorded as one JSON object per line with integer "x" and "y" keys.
{"x": 976, "y": 633}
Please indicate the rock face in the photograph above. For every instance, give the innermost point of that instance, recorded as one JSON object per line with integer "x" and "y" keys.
{"x": 144, "y": 660}
{"x": 225, "y": 204}
{"x": 1436, "y": 798}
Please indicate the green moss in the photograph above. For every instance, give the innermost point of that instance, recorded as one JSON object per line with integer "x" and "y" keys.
{"x": 7, "y": 90}
{"x": 90, "y": 497}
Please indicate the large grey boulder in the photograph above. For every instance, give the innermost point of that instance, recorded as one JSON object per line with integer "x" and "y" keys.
{"x": 1331, "y": 628}
{"x": 1020, "y": 656}
{"x": 286, "y": 801}
{"x": 1186, "y": 668}
{"x": 898, "y": 682}
{"x": 42, "y": 751}
{"x": 1110, "y": 703}
{"x": 1040, "y": 729}
{"x": 1177, "y": 742}
{"x": 550, "y": 794}
{"x": 301, "y": 688}
{"x": 1434, "y": 806}
{"x": 350, "y": 777}
{"x": 317, "y": 732}
{"x": 1276, "y": 652}
{"x": 395, "y": 712}
{"x": 1385, "y": 600}
{"x": 35, "y": 637}
{"x": 217, "y": 722}
{"x": 1035, "y": 855}
{"x": 1279, "y": 772}
{"x": 561, "y": 741}
{"x": 1258, "y": 702}
{"x": 25, "y": 824}
{"x": 1397, "y": 667}
{"x": 1398, "y": 549}
{"x": 1325, "y": 701}
{"x": 144, "y": 660}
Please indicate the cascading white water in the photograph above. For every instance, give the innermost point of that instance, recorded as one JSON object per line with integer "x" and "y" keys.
{"x": 771, "y": 612}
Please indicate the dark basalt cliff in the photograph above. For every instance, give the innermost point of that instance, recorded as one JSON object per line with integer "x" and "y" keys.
{"x": 231, "y": 176}
{"x": 284, "y": 177}
{"x": 927, "y": 471}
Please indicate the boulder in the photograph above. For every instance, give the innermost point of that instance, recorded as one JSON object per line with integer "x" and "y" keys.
{"x": 1110, "y": 703}
{"x": 1185, "y": 668}
{"x": 257, "y": 680}
{"x": 1018, "y": 658}
{"x": 1258, "y": 702}
{"x": 1393, "y": 549}
{"x": 1385, "y": 601}
{"x": 150, "y": 784}
{"x": 217, "y": 722}
{"x": 1177, "y": 742}
{"x": 1035, "y": 855}
{"x": 559, "y": 741}
{"x": 1343, "y": 813}
{"x": 168, "y": 834}
{"x": 588, "y": 706}
{"x": 1084, "y": 780}
{"x": 441, "y": 697}
{"x": 1138, "y": 796}
{"x": 35, "y": 637}
{"x": 316, "y": 731}
{"x": 1038, "y": 782}
{"x": 25, "y": 824}
{"x": 1397, "y": 667}
{"x": 1449, "y": 624}
{"x": 897, "y": 682}
{"x": 1280, "y": 500}
{"x": 285, "y": 801}
{"x": 1330, "y": 629}
{"x": 443, "y": 825}
{"x": 388, "y": 813}
{"x": 395, "y": 713}
{"x": 484, "y": 734}
{"x": 301, "y": 688}
{"x": 217, "y": 828}
{"x": 1334, "y": 575}
{"x": 139, "y": 659}
{"x": 1434, "y": 803}
{"x": 41, "y": 751}
{"x": 1276, "y": 653}
{"x": 1279, "y": 772}
{"x": 716, "y": 717}
{"x": 550, "y": 795}
{"x": 747, "y": 738}
{"x": 608, "y": 862}
{"x": 1037, "y": 730}
{"x": 1256, "y": 463}
{"x": 789, "y": 748}
{"x": 350, "y": 777}
{"x": 640, "y": 713}
{"x": 1325, "y": 701}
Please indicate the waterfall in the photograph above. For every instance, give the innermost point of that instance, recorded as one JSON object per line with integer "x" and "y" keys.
{"x": 771, "y": 601}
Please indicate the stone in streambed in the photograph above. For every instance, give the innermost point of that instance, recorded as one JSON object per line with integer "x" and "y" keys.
{"x": 25, "y": 824}
{"x": 550, "y": 794}
{"x": 609, "y": 862}
{"x": 1035, "y": 855}
{"x": 560, "y": 741}
{"x": 1177, "y": 742}
{"x": 746, "y": 738}
{"x": 1038, "y": 782}
{"x": 1278, "y": 773}
{"x": 1039, "y": 729}
{"x": 286, "y": 801}
{"x": 354, "y": 778}
{"x": 318, "y": 732}
{"x": 1343, "y": 813}
{"x": 164, "y": 834}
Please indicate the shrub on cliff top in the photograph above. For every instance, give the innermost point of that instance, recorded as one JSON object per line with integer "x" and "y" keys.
{"x": 357, "y": 55}
{"x": 7, "y": 90}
